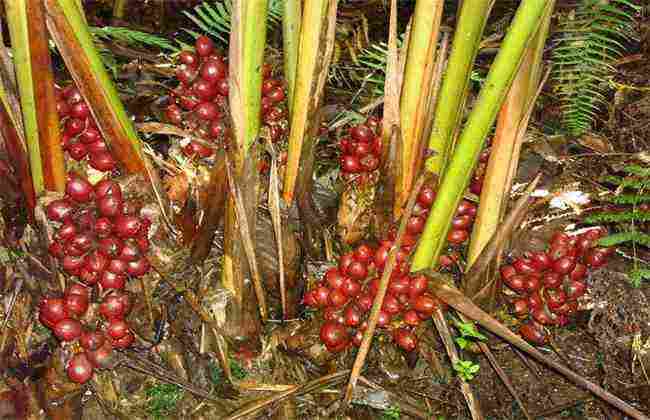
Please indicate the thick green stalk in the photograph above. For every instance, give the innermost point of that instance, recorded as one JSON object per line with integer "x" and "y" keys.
{"x": 451, "y": 100}
{"x": 291, "y": 22}
{"x": 254, "y": 43}
{"x": 19, "y": 32}
{"x": 455, "y": 180}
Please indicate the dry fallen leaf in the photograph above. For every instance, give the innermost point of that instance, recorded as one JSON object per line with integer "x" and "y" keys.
{"x": 177, "y": 188}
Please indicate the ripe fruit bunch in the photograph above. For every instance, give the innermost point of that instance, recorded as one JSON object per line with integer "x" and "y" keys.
{"x": 544, "y": 286}
{"x": 200, "y": 99}
{"x": 346, "y": 293}
{"x": 476, "y": 184}
{"x": 361, "y": 152}
{"x": 101, "y": 238}
{"x": 80, "y": 136}
{"x": 93, "y": 348}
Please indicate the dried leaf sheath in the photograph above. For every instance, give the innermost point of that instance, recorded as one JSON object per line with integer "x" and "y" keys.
{"x": 71, "y": 35}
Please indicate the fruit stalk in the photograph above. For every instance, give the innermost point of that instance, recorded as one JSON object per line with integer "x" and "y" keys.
{"x": 449, "y": 109}
{"x": 418, "y": 74}
{"x": 472, "y": 138}
{"x": 495, "y": 191}
{"x": 70, "y": 33}
{"x": 316, "y": 48}
{"x": 291, "y": 23}
{"x": 29, "y": 42}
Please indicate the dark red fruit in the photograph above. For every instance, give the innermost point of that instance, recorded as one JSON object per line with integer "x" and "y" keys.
{"x": 89, "y": 277}
{"x": 213, "y": 70}
{"x": 357, "y": 270}
{"x": 418, "y": 285}
{"x": 337, "y": 298}
{"x": 533, "y": 334}
{"x": 415, "y": 225}
{"x": 67, "y": 329}
{"x": 399, "y": 285}
{"x": 405, "y": 339}
{"x": 552, "y": 280}
{"x": 520, "y": 307}
{"x": 461, "y": 222}
{"x": 364, "y": 302}
{"x": 111, "y": 280}
{"x": 595, "y": 257}
{"x": 361, "y": 133}
{"x": 276, "y": 94}
{"x": 82, "y": 241}
{"x": 188, "y": 58}
{"x": 543, "y": 316}
{"x": 351, "y": 316}
{"x": 207, "y": 111}
{"x": 107, "y": 187}
{"x": 74, "y": 126}
{"x": 124, "y": 342}
{"x": 126, "y": 226}
{"x": 540, "y": 261}
{"x": 554, "y": 298}
{"x": 102, "y": 358}
{"x": 90, "y": 135}
{"x": 76, "y": 305}
{"x": 334, "y": 335}
{"x": 309, "y": 300}
{"x": 91, "y": 340}
{"x": 350, "y": 164}
{"x": 391, "y": 305}
{"x": 80, "y": 110}
{"x": 535, "y": 301}
{"x": 80, "y": 370}
{"x": 77, "y": 151}
{"x": 516, "y": 283}
{"x": 579, "y": 272}
{"x": 103, "y": 227}
{"x": 426, "y": 196}
{"x": 56, "y": 250}
{"x": 457, "y": 236}
{"x": 575, "y": 289}
{"x": 117, "y": 329}
{"x": 79, "y": 189}
{"x": 114, "y": 306}
{"x": 204, "y": 46}
{"x": 78, "y": 289}
{"x": 52, "y": 310}
{"x": 67, "y": 231}
{"x": 111, "y": 246}
{"x": 383, "y": 319}
{"x": 102, "y": 161}
{"x": 524, "y": 266}
{"x": 351, "y": 287}
{"x": 411, "y": 318}
{"x": 223, "y": 87}
{"x": 532, "y": 283}
{"x": 466, "y": 208}
{"x": 363, "y": 253}
{"x": 381, "y": 256}
{"x": 344, "y": 263}
{"x": 138, "y": 268}
{"x": 59, "y": 210}
{"x": 72, "y": 264}
{"x": 425, "y": 304}
{"x": 507, "y": 271}
{"x": 564, "y": 265}
{"x": 321, "y": 295}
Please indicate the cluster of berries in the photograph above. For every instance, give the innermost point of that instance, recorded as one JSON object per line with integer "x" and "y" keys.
{"x": 80, "y": 136}
{"x": 544, "y": 286}
{"x": 361, "y": 152}
{"x": 200, "y": 99}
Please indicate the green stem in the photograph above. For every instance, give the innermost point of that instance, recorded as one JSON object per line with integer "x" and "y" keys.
{"x": 449, "y": 109}
{"x": 17, "y": 21}
{"x": 291, "y": 22}
{"x": 455, "y": 180}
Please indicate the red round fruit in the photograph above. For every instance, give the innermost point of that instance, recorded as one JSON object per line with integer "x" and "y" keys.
{"x": 56, "y": 250}
{"x": 554, "y": 298}
{"x": 78, "y": 289}
{"x": 72, "y": 94}
{"x": 350, "y": 164}
{"x": 207, "y": 111}
{"x": 583, "y": 244}
{"x": 59, "y": 210}
{"x": 138, "y": 268}
{"x": 411, "y": 318}
{"x": 321, "y": 294}
{"x": 276, "y": 94}
{"x": 564, "y": 265}
{"x": 543, "y": 316}
{"x": 418, "y": 285}
{"x": 89, "y": 277}
{"x": 82, "y": 241}
{"x": 425, "y": 304}
{"x": 333, "y": 278}
{"x": 80, "y": 370}
{"x": 95, "y": 261}
{"x": 90, "y": 135}
{"x": 391, "y": 305}
{"x": 533, "y": 334}
{"x": 204, "y": 46}
{"x": 540, "y": 261}
{"x": 344, "y": 263}
{"x": 381, "y": 256}
{"x": 535, "y": 300}
{"x": 370, "y": 163}
{"x": 52, "y": 310}
{"x": 351, "y": 316}
{"x": 552, "y": 280}
{"x": 363, "y": 253}
{"x": 74, "y": 126}
{"x": 79, "y": 189}
{"x": 309, "y": 300}
{"x": 361, "y": 133}
{"x": 223, "y": 87}
{"x": 107, "y": 187}
{"x": 197, "y": 149}
{"x": 560, "y": 238}
{"x": 364, "y": 302}
{"x": 579, "y": 272}
{"x": 333, "y": 335}
{"x": 67, "y": 231}
{"x": 102, "y": 161}
{"x": 213, "y": 70}
{"x": 186, "y": 75}
{"x": 80, "y": 110}
{"x": 102, "y": 358}
{"x": 67, "y": 329}
{"x": 76, "y": 305}
{"x": 111, "y": 246}
{"x": 558, "y": 251}
{"x": 127, "y": 226}
{"x": 507, "y": 271}
{"x": 357, "y": 338}
{"x": 351, "y": 287}
{"x": 174, "y": 115}
{"x": 400, "y": 285}
{"x": 516, "y": 283}
{"x": 361, "y": 150}
{"x": 466, "y": 208}
{"x": 357, "y": 270}
{"x": 62, "y": 108}
{"x": 532, "y": 283}
{"x": 405, "y": 339}
{"x": 332, "y": 314}
{"x": 383, "y": 319}
{"x": 461, "y": 222}
{"x": 426, "y": 196}
{"x": 188, "y": 58}
{"x": 114, "y": 306}
{"x": 476, "y": 186}
{"x": 415, "y": 225}
{"x": 524, "y": 266}
{"x": 92, "y": 340}
{"x": 117, "y": 329}
{"x": 337, "y": 298}
{"x": 595, "y": 257}
{"x": 457, "y": 236}
{"x": 72, "y": 264}
{"x": 124, "y": 342}
{"x": 117, "y": 266}
{"x": 77, "y": 151}
{"x": 103, "y": 227}
{"x": 110, "y": 280}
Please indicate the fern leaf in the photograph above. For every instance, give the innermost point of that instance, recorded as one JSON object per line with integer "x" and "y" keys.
{"x": 632, "y": 199}
{"x": 638, "y": 275}
{"x": 628, "y": 216}
{"x": 132, "y": 37}
{"x": 624, "y": 237}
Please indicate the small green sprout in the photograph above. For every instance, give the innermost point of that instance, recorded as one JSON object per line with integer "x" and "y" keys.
{"x": 468, "y": 332}
{"x": 466, "y": 369}
{"x": 162, "y": 399}
{"x": 391, "y": 413}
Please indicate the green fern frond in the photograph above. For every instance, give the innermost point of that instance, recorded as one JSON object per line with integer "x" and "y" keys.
{"x": 638, "y": 275}
{"x": 132, "y": 37}
{"x": 630, "y": 198}
{"x": 634, "y": 237}
{"x": 590, "y": 41}
{"x": 214, "y": 18}
{"x": 623, "y": 217}
{"x": 635, "y": 183}
{"x": 637, "y": 170}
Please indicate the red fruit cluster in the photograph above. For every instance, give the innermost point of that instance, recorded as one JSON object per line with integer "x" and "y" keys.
{"x": 64, "y": 316}
{"x": 200, "y": 99}
{"x": 476, "y": 184}
{"x": 100, "y": 239}
{"x": 80, "y": 136}
{"x": 546, "y": 285}
{"x": 346, "y": 293}
{"x": 361, "y": 152}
